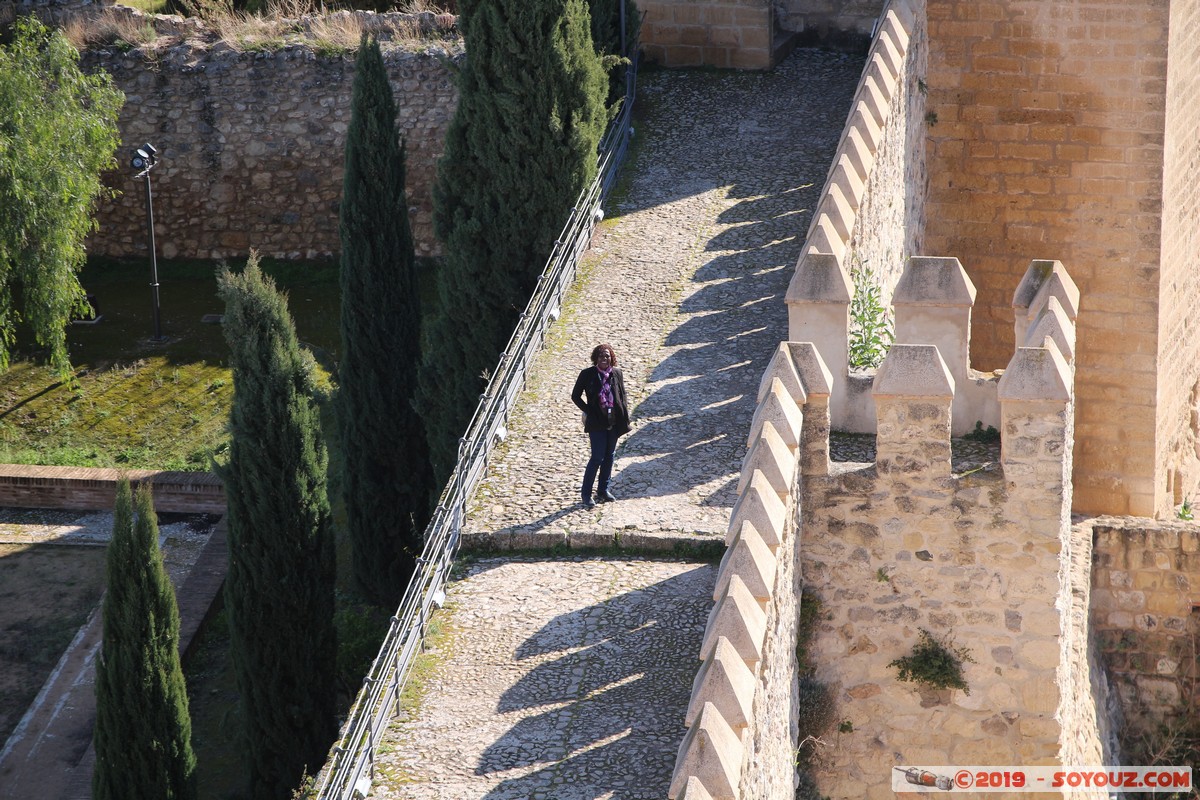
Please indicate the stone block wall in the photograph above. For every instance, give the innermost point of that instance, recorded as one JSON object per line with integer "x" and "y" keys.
{"x": 251, "y": 146}
{"x": 890, "y": 217}
{"x": 1049, "y": 141}
{"x": 89, "y": 489}
{"x": 1178, "y": 454}
{"x": 826, "y": 20}
{"x": 871, "y": 206}
{"x": 714, "y": 33}
{"x": 1145, "y": 592}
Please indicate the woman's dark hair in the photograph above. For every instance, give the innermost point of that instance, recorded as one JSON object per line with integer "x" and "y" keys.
{"x": 600, "y": 348}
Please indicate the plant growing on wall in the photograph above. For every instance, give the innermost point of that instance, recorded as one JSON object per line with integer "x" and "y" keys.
{"x": 934, "y": 663}
{"x": 871, "y": 328}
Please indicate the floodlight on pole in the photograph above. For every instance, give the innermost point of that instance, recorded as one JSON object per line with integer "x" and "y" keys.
{"x": 144, "y": 159}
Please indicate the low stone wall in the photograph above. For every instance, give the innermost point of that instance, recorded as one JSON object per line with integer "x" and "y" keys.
{"x": 744, "y": 712}
{"x": 715, "y": 33}
{"x": 90, "y": 489}
{"x": 829, "y": 22}
{"x": 1145, "y": 594}
{"x": 251, "y": 144}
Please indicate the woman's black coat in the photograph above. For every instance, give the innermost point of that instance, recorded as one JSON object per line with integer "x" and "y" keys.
{"x": 588, "y": 383}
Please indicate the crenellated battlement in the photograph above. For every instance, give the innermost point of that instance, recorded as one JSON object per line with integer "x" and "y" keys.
{"x": 932, "y": 304}
{"x": 978, "y": 557}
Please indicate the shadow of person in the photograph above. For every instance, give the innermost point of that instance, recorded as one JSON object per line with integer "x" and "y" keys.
{"x": 611, "y": 697}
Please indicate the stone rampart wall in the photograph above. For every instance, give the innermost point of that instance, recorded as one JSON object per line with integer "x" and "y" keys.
{"x": 251, "y": 146}
{"x": 743, "y": 716}
{"x": 95, "y": 489}
{"x": 985, "y": 560}
{"x": 715, "y": 33}
{"x": 1049, "y": 141}
{"x": 1178, "y": 454}
{"x": 870, "y": 208}
{"x": 1144, "y": 592}
{"x": 890, "y": 215}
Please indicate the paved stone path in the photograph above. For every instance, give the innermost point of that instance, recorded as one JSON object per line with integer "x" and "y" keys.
{"x": 577, "y": 698}
{"x": 687, "y": 284}
{"x": 569, "y": 679}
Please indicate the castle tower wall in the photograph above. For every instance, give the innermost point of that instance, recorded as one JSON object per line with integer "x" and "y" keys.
{"x": 1178, "y": 430}
{"x": 1046, "y": 137}
{"x": 981, "y": 560}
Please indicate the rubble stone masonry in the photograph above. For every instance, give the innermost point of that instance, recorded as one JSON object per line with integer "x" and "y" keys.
{"x": 251, "y": 146}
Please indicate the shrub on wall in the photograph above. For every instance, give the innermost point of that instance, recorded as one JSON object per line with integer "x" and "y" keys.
{"x": 934, "y": 664}
{"x": 521, "y": 147}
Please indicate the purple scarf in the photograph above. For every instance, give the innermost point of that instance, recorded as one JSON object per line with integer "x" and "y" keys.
{"x": 606, "y": 395}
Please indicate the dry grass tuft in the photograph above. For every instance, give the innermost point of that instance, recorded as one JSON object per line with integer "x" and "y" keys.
{"x": 285, "y": 22}
{"x": 339, "y": 32}
{"x": 109, "y": 26}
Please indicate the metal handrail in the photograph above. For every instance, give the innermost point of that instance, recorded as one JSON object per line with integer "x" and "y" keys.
{"x": 350, "y": 772}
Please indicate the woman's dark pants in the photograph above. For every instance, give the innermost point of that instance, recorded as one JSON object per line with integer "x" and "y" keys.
{"x": 604, "y": 444}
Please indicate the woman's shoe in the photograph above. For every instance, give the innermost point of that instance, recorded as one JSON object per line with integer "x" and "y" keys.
{"x": 605, "y": 497}
{"x": 588, "y": 504}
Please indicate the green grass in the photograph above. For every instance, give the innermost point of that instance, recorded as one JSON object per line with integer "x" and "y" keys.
{"x": 137, "y": 403}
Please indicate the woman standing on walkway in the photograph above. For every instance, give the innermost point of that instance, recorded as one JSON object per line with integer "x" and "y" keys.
{"x": 605, "y": 417}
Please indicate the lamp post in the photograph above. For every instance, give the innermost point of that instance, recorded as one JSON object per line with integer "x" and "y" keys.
{"x": 144, "y": 159}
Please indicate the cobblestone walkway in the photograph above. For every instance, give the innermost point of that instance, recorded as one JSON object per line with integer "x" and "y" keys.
{"x": 563, "y": 680}
{"x": 687, "y": 284}
{"x": 569, "y": 679}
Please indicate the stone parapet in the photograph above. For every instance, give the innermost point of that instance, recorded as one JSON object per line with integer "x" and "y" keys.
{"x": 737, "y": 34}
{"x": 741, "y": 718}
{"x": 869, "y": 213}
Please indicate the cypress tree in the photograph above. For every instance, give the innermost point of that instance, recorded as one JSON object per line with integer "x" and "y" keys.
{"x": 143, "y": 733}
{"x": 280, "y": 587}
{"x": 606, "y": 35}
{"x": 386, "y": 479}
{"x": 521, "y": 147}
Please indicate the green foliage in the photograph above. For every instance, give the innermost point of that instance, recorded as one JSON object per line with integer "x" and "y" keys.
{"x": 871, "y": 331}
{"x": 606, "y": 36}
{"x": 935, "y": 664}
{"x": 386, "y": 478}
{"x": 58, "y": 131}
{"x": 816, "y": 703}
{"x": 360, "y": 632}
{"x": 981, "y": 435}
{"x": 845, "y": 726}
{"x": 521, "y": 147}
{"x": 810, "y": 614}
{"x": 143, "y": 729}
{"x": 279, "y": 590}
{"x": 1185, "y": 511}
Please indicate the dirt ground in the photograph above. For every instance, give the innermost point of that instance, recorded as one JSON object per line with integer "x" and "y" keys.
{"x": 52, "y": 565}
{"x": 47, "y": 592}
